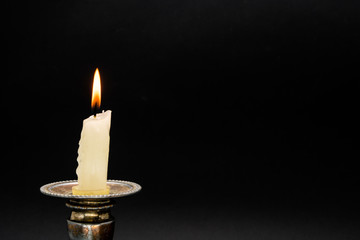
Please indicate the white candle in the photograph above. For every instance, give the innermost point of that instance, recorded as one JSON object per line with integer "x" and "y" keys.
{"x": 93, "y": 154}
{"x": 94, "y": 151}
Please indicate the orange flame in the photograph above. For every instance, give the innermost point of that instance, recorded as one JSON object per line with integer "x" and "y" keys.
{"x": 96, "y": 91}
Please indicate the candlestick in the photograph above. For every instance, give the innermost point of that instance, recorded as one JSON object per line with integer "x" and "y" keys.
{"x": 90, "y": 218}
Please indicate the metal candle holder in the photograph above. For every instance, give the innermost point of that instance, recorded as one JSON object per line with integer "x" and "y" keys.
{"x": 90, "y": 218}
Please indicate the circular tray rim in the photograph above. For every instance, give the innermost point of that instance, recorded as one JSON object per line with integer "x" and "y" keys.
{"x": 45, "y": 189}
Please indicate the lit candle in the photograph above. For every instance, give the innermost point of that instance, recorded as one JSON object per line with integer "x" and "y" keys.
{"x": 93, "y": 150}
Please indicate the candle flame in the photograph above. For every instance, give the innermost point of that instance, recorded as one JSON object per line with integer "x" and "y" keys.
{"x": 96, "y": 91}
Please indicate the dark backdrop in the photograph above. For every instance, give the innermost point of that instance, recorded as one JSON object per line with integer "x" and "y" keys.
{"x": 238, "y": 118}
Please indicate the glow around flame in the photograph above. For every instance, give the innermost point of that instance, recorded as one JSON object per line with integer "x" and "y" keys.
{"x": 96, "y": 91}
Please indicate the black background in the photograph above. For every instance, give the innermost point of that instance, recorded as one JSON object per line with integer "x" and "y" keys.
{"x": 238, "y": 118}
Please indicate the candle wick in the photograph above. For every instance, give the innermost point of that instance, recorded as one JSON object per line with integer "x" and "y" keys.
{"x": 95, "y": 109}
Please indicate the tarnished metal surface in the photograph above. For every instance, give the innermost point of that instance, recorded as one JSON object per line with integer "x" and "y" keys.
{"x": 63, "y": 189}
{"x": 90, "y": 219}
{"x": 91, "y": 231}
{"x": 90, "y": 211}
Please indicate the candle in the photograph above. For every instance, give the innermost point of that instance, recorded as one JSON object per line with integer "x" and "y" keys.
{"x": 93, "y": 150}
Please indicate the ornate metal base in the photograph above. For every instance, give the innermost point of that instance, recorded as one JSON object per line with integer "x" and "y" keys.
{"x": 82, "y": 231}
{"x": 90, "y": 218}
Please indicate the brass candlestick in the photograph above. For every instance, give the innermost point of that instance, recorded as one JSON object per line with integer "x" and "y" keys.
{"x": 90, "y": 218}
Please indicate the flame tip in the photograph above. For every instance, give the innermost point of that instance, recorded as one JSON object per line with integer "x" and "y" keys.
{"x": 96, "y": 91}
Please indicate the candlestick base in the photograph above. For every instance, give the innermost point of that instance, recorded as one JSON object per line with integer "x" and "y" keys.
{"x": 90, "y": 218}
{"x": 90, "y": 231}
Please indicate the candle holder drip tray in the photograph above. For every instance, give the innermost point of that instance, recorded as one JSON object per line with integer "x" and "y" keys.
{"x": 90, "y": 217}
